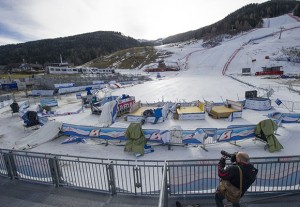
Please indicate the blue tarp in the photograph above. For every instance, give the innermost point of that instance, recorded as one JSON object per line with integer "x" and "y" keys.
{"x": 9, "y": 86}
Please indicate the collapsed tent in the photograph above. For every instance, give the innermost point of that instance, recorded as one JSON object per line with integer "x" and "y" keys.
{"x": 14, "y": 107}
{"x": 46, "y": 133}
{"x": 265, "y": 131}
{"x": 109, "y": 113}
{"x": 156, "y": 113}
{"x": 149, "y": 114}
{"x": 136, "y": 139}
{"x": 23, "y": 107}
{"x": 30, "y": 118}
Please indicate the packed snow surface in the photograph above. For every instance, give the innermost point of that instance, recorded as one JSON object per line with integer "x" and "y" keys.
{"x": 203, "y": 76}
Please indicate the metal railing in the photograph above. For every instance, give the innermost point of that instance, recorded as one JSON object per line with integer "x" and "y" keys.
{"x": 103, "y": 175}
{"x": 144, "y": 178}
{"x": 275, "y": 174}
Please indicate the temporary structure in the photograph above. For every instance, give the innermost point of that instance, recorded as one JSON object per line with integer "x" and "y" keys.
{"x": 136, "y": 139}
{"x": 265, "y": 131}
{"x": 218, "y": 111}
{"x": 109, "y": 113}
{"x": 261, "y": 104}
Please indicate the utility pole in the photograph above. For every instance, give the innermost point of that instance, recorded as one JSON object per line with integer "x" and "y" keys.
{"x": 281, "y": 28}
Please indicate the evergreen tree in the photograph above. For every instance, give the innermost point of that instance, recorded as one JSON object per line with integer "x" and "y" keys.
{"x": 297, "y": 10}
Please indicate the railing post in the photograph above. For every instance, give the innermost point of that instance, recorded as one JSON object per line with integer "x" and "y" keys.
{"x": 111, "y": 178}
{"x": 203, "y": 143}
{"x": 137, "y": 178}
{"x": 55, "y": 171}
{"x": 10, "y": 165}
{"x": 167, "y": 189}
{"x": 164, "y": 189}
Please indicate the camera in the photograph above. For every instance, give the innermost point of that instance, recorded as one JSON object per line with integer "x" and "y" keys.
{"x": 229, "y": 155}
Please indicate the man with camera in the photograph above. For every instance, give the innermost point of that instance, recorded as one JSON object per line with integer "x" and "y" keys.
{"x": 241, "y": 174}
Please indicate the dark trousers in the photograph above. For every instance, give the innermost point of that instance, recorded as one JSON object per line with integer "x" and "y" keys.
{"x": 219, "y": 200}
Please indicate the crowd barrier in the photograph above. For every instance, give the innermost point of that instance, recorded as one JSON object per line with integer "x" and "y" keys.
{"x": 199, "y": 136}
{"x": 79, "y": 88}
{"x": 285, "y": 117}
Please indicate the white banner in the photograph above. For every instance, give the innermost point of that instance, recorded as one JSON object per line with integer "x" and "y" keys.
{"x": 42, "y": 92}
{"x": 64, "y": 85}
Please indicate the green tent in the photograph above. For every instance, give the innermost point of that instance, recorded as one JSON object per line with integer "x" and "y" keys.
{"x": 136, "y": 139}
{"x": 265, "y": 131}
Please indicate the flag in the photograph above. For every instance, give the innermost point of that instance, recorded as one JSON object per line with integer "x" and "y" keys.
{"x": 278, "y": 102}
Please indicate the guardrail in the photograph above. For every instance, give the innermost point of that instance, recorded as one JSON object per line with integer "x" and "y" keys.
{"x": 143, "y": 178}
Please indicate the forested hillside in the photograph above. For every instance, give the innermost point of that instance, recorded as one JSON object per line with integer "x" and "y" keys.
{"x": 83, "y": 48}
{"x": 244, "y": 19}
{"x": 76, "y": 49}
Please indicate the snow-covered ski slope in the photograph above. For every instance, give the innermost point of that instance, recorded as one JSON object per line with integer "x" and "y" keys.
{"x": 202, "y": 68}
{"x": 201, "y": 78}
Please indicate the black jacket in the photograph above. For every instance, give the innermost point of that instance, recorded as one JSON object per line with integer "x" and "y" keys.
{"x": 232, "y": 174}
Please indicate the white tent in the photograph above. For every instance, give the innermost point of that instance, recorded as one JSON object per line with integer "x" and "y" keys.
{"x": 108, "y": 114}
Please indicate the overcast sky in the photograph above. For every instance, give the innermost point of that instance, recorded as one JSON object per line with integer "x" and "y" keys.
{"x": 27, "y": 20}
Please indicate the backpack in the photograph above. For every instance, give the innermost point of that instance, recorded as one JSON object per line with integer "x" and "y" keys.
{"x": 229, "y": 191}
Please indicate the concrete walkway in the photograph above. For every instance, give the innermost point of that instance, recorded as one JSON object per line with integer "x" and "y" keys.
{"x": 16, "y": 193}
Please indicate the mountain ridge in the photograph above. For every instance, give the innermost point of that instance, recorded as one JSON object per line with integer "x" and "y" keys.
{"x": 82, "y": 48}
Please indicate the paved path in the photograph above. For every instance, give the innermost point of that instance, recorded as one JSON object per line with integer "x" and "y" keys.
{"x": 15, "y": 193}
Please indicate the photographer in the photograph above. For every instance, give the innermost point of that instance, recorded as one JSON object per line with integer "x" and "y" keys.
{"x": 240, "y": 161}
